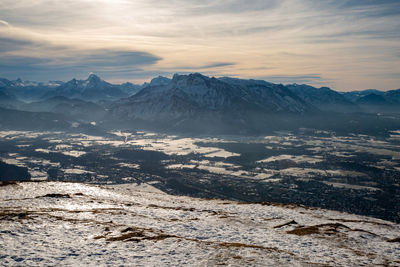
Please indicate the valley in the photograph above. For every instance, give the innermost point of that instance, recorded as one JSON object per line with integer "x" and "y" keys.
{"x": 355, "y": 173}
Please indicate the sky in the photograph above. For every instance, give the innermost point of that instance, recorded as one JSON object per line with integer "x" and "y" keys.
{"x": 343, "y": 44}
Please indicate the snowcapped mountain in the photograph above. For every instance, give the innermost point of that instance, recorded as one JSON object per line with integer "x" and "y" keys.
{"x": 93, "y": 89}
{"x": 353, "y": 96}
{"x": 380, "y": 102}
{"x": 8, "y": 100}
{"x": 55, "y": 223}
{"x": 27, "y": 90}
{"x": 190, "y": 95}
{"x": 130, "y": 88}
{"x": 372, "y": 99}
{"x": 158, "y": 81}
{"x": 323, "y": 98}
{"x": 393, "y": 96}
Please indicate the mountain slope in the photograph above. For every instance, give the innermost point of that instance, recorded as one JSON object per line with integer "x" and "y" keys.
{"x": 8, "y": 100}
{"x": 27, "y": 90}
{"x": 54, "y": 223}
{"x": 393, "y": 96}
{"x": 372, "y": 99}
{"x": 63, "y": 105}
{"x": 380, "y": 102}
{"x": 16, "y": 119}
{"x": 324, "y": 98}
{"x": 353, "y": 96}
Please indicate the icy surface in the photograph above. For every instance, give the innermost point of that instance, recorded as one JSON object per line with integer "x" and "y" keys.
{"x": 54, "y": 223}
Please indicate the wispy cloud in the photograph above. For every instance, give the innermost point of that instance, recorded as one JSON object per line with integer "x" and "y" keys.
{"x": 4, "y": 23}
{"x": 287, "y": 79}
{"x": 34, "y": 59}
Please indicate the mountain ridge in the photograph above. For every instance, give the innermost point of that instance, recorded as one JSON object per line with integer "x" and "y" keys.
{"x": 196, "y": 93}
{"x": 193, "y": 102}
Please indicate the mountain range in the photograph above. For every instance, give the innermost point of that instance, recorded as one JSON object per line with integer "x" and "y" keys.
{"x": 190, "y": 100}
{"x": 192, "y": 95}
{"x": 93, "y": 89}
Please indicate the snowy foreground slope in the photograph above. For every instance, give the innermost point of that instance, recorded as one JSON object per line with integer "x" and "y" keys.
{"x": 54, "y": 223}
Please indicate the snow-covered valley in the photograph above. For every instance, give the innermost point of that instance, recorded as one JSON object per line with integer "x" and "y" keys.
{"x": 57, "y": 223}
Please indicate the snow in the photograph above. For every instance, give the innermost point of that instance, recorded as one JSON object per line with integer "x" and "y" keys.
{"x": 129, "y": 165}
{"x": 296, "y": 159}
{"x": 54, "y": 223}
{"x": 76, "y": 171}
{"x": 74, "y": 153}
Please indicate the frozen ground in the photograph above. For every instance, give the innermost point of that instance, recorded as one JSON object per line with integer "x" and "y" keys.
{"x": 55, "y": 223}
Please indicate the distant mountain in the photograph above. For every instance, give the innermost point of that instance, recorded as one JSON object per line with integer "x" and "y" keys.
{"x": 355, "y": 95}
{"x": 393, "y": 96}
{"x": 372, "y": 99}
{"x": 159, "y": 81}
{"x": 92, "y": 89}
{"x": 8, "y": 100}
{"x": 323, "y": 98}
{"x": 196, "y": 102}
{"x": 130, "y": 88}
{"x": 188, "y": 95}
{"x": 383, "y": 102}
{"x": 27, "y": 90}
{"x": 192, "y": 102}
{"x": 268, "y": 96}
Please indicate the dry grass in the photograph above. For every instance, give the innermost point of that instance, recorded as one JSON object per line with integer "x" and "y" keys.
{"x": 364, "y": 231}
{"x": 135, "y": 234}
{"x": 285, "y": 224}
{"x": 394, "y": 240}
{"x": 56, "y": 196}
{"x": 240, "y": 245}
{"x": 212, "y": 212}
{"x": 132, "y": 236}
{"x": 276, "y": 204}
{"x": 327, "y": 229}
{"x": 304, "y": 231}
{"x": 360, "y": 221}
{"x": 160, "y": 237}
{"x": 8, "y": 215}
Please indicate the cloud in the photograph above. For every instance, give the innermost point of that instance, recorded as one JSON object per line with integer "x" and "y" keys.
{"x": 286, "y": 79}
{"x": 45, "y": 12}
{"x": 11, "y": 44}
{"x": 231, "y": 6}
{"x": 217, "y": 65}
{"x": 357, "y": 3}
{"x": 107, "y": 58}
{"x": 212, "y": 65}
{"x": 4, "y": 23}
{"x": 39, "y": 60}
